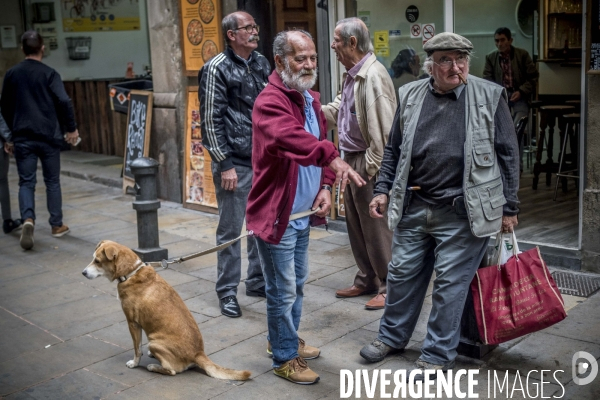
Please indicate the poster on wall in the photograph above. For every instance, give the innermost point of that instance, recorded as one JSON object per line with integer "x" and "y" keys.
{"x": 100, "y": 15}
{"x": 201, "y": 32}
{"x": 199, "y": 190}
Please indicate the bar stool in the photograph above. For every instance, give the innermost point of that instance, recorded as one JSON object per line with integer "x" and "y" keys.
{"x": 549, "y": 115}
{"x": 528, "y": 147}
{"x": 572, "y": 133}
{"x": 574, "y": 103}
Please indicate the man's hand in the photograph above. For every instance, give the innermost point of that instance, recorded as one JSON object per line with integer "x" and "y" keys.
{"x": 8, "y": 148}
{"x": 378, "y": 206}
{"x": 509, "y": 223}
{"x": 322, "y": 200}
{"x": 516, "y": 96}
{"x": 229, "y": 179}
{"x": 72, "y": 137}
{"x": 344, "y": 173}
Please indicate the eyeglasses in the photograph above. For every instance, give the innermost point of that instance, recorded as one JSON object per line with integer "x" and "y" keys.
{"x": 248, "y": 28}
{"x": 460, "y": 62}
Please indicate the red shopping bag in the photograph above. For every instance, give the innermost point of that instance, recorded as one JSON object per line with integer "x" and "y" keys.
{"x": 516, "y": 298}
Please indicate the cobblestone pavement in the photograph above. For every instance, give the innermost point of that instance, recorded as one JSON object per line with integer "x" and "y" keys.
{"x": 65, "y": 337}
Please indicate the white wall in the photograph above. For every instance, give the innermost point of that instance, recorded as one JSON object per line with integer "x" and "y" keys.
{"x": 110, "y": 51}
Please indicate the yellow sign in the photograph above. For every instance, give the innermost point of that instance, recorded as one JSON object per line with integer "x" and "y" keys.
{"x": 382, "y": 52}
{"x": 93, "y": 16}
{"x": 199, "y": 189}
{"x": 382, "y": 39}
{"x": 200, "y": 32}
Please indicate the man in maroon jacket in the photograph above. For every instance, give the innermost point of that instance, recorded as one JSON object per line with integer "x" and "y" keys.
{"x": 289, "y": 153}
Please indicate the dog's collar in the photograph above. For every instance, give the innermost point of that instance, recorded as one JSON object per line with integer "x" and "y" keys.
{"x": 139, "y": 264}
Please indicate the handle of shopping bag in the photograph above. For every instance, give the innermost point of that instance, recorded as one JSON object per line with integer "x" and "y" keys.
{"x": 500, "y": 242}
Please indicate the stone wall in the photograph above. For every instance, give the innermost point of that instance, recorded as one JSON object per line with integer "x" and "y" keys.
{"x": 591, "y": 192}
{"x": 168, "y": 118}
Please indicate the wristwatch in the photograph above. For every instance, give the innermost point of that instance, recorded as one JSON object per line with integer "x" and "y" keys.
{"x": 326, "y": 187}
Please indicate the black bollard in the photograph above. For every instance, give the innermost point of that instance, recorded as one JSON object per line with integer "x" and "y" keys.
{"x": 145, "y": 204}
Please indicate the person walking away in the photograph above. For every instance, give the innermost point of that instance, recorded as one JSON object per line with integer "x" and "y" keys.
{"x": 37, "y": 110}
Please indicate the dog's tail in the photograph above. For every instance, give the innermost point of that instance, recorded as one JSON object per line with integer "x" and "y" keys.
{"x": 216, "y": 371}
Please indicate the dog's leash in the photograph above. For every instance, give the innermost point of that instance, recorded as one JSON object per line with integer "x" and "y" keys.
{"x": 165, "y": 263}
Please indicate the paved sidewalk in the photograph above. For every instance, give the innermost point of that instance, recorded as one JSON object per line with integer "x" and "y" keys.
{"x": 65, "y": 337}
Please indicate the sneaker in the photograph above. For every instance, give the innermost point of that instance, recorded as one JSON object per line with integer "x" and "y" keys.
{"x": 377, "y": 351}
{"x": 230, "y": 307}
{"x": 10, "y": 225}
{"x": 27, "y": 234}
{"x": 305, "y": 351}
{"x": 59, "y": 231}
{"x": 431, "y": 369}
{"x": 297, "y": 371}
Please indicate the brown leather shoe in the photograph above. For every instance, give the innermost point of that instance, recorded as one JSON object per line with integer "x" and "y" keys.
{"x": 297, "y": 371}
{"x": 376, "y": 303}
{"x": 60, "y": 231}
{"x": 305, "y": 351}
{"x": 353, "y": 291}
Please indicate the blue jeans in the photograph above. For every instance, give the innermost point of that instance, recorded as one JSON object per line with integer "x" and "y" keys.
{"x": 430, "y": 237}
{"x": 26, "y": 156}
{"x": 285, "y": 268}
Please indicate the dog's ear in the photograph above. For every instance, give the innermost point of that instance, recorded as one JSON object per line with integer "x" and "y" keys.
{"x": 100, "y": 244}
{"x": 111, "y": 252}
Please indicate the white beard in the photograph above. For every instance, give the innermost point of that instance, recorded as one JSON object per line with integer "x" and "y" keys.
{"x": 297, "y": 80}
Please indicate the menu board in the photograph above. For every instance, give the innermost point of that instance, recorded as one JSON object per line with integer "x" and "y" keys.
{"x": 139, "y": 118}
{"x": 200, "y": 32}
{"x": 594, "y": 52}
{"x": 199, "y": 189}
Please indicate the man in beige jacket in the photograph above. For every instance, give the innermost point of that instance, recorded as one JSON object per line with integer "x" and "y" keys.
{"x": 363, "y": 113}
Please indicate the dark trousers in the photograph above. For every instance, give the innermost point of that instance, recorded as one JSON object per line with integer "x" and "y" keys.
{"x": 26, "y": 156}
{"x": 232, "y": 212}
{"x": 4, "y": 191}
{"x": 370, "y": 238}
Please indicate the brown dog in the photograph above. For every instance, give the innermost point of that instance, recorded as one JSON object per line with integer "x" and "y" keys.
{"x": 151, "y": 304}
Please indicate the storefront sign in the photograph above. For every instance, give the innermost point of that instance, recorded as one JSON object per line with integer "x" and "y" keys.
{"x": 365, "y": 16}
{"x": 200, "y": 32}
{"x": 91, "y": 16}
{"x": 412, "y": 14}
{"x": 415, "y": 31}
{"x": 199, "y": 189}
{"x": 382, "y": 39}
{"x": 428, "y": 32}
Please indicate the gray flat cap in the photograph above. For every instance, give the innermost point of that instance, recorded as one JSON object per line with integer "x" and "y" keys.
{"x": 447, "y": 41}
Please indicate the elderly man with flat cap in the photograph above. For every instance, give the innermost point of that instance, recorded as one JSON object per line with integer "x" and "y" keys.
{"x": 448, "y": 181}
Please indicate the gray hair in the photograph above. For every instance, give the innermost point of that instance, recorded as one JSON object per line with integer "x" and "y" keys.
{"x": 428, "y": 63}
{"x": 355, "y": 27}
{"x": 229, "y": 23}
{"x": 281, "y": 44}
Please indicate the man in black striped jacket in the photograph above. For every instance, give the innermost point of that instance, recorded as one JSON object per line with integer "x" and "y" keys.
{"x": 229, "y": 85}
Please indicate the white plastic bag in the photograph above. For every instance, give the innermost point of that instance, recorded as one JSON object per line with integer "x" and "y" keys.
{"x": 506, "y": 246}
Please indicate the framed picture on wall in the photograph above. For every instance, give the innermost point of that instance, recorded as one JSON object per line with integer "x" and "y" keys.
{"x": 200, "y": 33}
{"x": 198, "y": 188}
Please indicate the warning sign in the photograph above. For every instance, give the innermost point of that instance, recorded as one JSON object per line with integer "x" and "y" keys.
{"x": 428, "y": 32}
{"x": 415, "y": 31}
{"x": 382, "y": 39}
